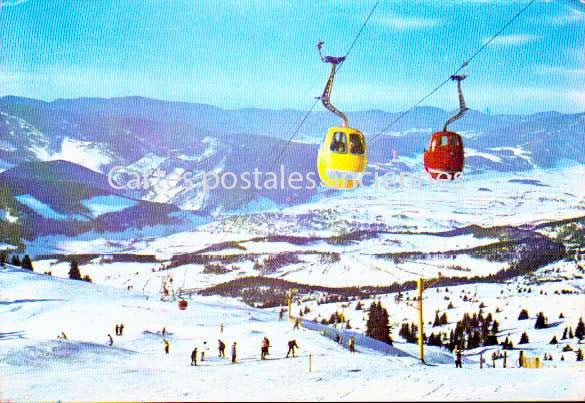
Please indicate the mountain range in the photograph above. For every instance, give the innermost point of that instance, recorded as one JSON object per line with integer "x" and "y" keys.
{"x": 55, "y": 156}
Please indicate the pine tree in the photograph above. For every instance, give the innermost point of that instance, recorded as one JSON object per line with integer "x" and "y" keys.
{"x": 437, "y": 321}
{"x": 540, "y": 321}
{"x": 554, "y": 340}
{"x": 523, "y": 339}
{"x": 444, "y": 320}
{"x": 15, "y": 261}
{"x": 523, "y": 315}
{"x": 495, "y": 327}
{"x": 378, "y": 324}
{"x": 561, "y": 316}
{"x": 580, "y": 330}
{"x": 571, "y": 333}
{"x": 74, "y": 273}
{"x": 27, "y": 263}
{"x": 564, "y": 334}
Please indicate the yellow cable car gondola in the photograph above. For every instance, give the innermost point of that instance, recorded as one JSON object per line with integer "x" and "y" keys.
{"x": 343, "y": 156}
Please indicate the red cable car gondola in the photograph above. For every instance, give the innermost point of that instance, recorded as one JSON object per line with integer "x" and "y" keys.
{"x": 183, "y": 304}
{"x": 445, "y": 157}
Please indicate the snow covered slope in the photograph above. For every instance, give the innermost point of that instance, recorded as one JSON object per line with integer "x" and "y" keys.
{"x": 35, "y": 365}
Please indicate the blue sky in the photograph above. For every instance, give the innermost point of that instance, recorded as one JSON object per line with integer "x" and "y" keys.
{"x": 250, "y": 53}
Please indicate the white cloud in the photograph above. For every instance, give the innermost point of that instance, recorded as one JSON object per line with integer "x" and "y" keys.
{"x": 574, "y": 17}
{"x": 10, "y": 3}
{"x": 560, "y": 70}
{"x": 514, "y": 39}
{"x": 402, "y": 23}
{"x": 578, "y": 97}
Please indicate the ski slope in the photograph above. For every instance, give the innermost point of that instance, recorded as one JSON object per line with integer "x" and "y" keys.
{"x": 35, "y": 365}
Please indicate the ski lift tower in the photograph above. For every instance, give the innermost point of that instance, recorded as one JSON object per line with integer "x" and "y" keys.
{"x": 421, "y": 287}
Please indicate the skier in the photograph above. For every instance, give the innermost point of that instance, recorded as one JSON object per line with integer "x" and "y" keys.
{"x": 164, "y": 330}
{"x": 297, "y": 324}
{"x": 221, "y": 348}
{"x": 337, "y": 338}
{"x": 117, "y": 329}
{"x": 194, "y": 358}
{"x": 264, "y": 349}
{"x": 521, "y": 359}
{"x": 352, "y": 344}
{"x": 292, "y": 344}
{"x": 167, "y": 346}
{"x": 110, "y": 340}
{"x": 204, "y": 350}
{"x": 281, "y": 314}
{"x": 458, "y": 362}
{"x": 267, "y": 346}
{"x": 221, "y": 328}
{"x": 234, "y": 353}
{"x": 121, "y": 329}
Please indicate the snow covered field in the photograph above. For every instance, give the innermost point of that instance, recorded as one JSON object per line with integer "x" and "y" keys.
{"x": 35, "y": 365}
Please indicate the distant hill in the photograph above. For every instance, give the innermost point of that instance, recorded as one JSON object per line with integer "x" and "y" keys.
{"x": 145, "y": 134}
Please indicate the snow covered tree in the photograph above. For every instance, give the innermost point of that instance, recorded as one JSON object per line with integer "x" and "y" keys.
{"x": 580, "y": 330}
{"x": 524, "y": 339}
{"x": 540, "y": 321}
{"x": 523, "y": 315}
{"x": 27, "y": 263}
{"x": 74, "y": 273}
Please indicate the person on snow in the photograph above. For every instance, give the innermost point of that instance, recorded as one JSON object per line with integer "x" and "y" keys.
{"x": 458, "y": 360}
{"x": 267, "y": 346}
{"x": 264, "y": 349}
{"x": 337, "y": 338}
{"x": 121, "y": 329}
{"x": 281, "y": 314}
{"x": 110, "y": 340}
{"x": 194, "y": 358}
{"x": 221, "y": 328}
{"x": 352, "y": 344}
{"x": 234, "y": 353}
{"x": 62, "y": 336}
{"x": 297, "y": 324}
{"x": 204, "y": 350}
{"x": 221, "y": 348}
{"x": 167, "y": 346}
{"x": 292, "y": 344}
{"x": 117, "y": 329}
{"x": 164, "y": 330}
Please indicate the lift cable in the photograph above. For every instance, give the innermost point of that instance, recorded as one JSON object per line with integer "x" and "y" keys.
{"x": 465, "y": 63}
